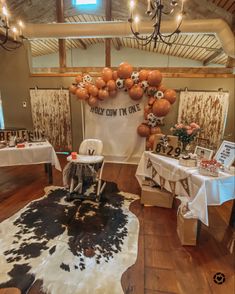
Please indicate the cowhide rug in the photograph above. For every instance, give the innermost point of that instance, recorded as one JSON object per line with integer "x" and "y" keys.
{"x": 72, "y": 247}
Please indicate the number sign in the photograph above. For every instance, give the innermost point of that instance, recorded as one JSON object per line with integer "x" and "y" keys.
{"x": 166, "y": 145}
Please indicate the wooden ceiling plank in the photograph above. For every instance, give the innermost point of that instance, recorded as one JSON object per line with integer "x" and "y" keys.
{"x": 117, "y": 44}
{"x": 212, "y": 57}
{"x": 108, "y": 17}
{"x": 231, "y": 9}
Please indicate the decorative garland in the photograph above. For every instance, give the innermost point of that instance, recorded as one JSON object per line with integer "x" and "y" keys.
{"x": 136, "y": 84}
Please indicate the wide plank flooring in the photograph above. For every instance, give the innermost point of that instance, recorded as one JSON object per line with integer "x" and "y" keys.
{"x": 163, "y": 264}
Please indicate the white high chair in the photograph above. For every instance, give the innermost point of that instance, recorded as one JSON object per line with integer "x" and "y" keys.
{"x": 89, "y": 160}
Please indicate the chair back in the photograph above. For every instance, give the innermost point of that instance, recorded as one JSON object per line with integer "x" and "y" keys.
{"x": 91, "y": 147}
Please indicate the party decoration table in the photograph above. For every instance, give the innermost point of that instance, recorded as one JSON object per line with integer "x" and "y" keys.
{"x": 32, "y": 153}
{"x": 200, "y": 190}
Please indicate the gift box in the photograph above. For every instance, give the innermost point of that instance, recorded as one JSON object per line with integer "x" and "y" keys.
{"x": 187, "y": 229}
{"x": 156, "y": 197}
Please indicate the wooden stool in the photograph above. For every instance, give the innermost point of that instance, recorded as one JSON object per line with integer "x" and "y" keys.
{"x": 10, "y": 291}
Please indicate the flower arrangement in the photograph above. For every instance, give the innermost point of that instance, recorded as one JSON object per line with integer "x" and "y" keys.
{"x": 185, "y": 133}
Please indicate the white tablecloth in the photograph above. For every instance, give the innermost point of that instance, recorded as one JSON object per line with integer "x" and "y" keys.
{"x": 202, "y": 190}
{"x": 33, "y": 153}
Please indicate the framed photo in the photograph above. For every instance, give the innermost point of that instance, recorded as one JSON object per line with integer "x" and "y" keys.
{"x": 226, "y": 153}
{"x": 203, "y": 152}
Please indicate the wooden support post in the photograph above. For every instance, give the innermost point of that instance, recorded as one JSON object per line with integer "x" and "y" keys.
{"x": 108, "y": 16}
{"x": 61, "y": 42}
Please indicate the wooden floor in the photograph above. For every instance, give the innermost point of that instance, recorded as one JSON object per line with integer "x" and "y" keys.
{"x": 163, "y": 265}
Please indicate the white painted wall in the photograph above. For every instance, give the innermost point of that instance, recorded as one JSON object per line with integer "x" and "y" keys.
{"x": 95, "y": 56}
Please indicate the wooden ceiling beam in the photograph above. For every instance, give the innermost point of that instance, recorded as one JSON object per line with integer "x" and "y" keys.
{"x": 213, "y": 56}
{"x": 230, "y": 62}
{"x": 82, "y": 43}
{"x": 117, "y": 44}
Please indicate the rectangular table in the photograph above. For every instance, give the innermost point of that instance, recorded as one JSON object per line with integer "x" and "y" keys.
{"x": 33, "y": 153}
{"x": 200, "y": 190}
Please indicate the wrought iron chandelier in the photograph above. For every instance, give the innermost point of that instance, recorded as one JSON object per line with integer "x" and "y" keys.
{"x": 155, "y": 10}
{"x": 11, "y": 33}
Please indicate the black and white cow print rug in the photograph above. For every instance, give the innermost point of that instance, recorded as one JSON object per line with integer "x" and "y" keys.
{"x": 74, "y": 247}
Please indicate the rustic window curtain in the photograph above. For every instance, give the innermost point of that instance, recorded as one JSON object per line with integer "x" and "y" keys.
{"x": 209, "y": 110}
{"x": 51, "y": 114}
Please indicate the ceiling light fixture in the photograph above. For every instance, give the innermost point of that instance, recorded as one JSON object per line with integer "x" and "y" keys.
{"x": 155, "y": 10}
{"x": 11, "y": 33}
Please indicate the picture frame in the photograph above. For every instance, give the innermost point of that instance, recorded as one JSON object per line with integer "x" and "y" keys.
{"x": 226, "y": 153}
{"x": 203, "y": 152}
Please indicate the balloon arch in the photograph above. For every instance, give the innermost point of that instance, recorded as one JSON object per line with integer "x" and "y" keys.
{"x": 137, "y": 84}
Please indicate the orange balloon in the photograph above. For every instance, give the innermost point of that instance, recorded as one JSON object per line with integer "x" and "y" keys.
{"x": 111, "y": 85}
{"x": 136, "y": 92}
{"x": 151, "y": 91}
{"x": 92, "y": 101}
{"x": 129, "y": 83}
{"x": 155, "y": 130}
{"x": 100, "y": 83}
{"x": 72, "y": 89}
{"x": 154, "y": 78}
{"x": 152, "y": 139}
{"x": 113, "y": 93}
{"x": 78, "y": 79}
{"x": 161, "y": 107}
{"x": 148, "y": 145}
{"x": 148, "y": 108}
{"x": 103, "y": 94}
{"x": 115, "y": 75}
{"x": 93, "y": 90}
{"x": 124, "y": 70}
{"x": 170, "y": 95}
{"x": 143, "y": 75}
{"x": 107, "y": 74}
{"x": 151, "y": 100}
{"x": 87, "y": 86}
{"x": 143, "y": 130}
{"x": 161, "y": 88}
{"x": 82, "y": 93}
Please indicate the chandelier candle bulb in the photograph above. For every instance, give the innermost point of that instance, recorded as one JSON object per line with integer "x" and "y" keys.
{"x": 136, "y": 22}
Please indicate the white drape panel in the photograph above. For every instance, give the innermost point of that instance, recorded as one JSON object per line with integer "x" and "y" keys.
{"x": 115, "y": 122}
{"x": 209, "y": 110}
{"x": 51, "y": 114}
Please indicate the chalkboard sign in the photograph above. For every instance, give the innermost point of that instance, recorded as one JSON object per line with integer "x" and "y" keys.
{"x": 226, "y": 153}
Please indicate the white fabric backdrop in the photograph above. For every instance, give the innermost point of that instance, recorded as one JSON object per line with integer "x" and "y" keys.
{"x": 115, "y": 122}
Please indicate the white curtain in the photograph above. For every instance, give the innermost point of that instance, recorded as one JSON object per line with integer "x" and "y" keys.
{"x": 51, "y": 114}
{"x": 209, "y": 110}
{"x": 115, "y": 122}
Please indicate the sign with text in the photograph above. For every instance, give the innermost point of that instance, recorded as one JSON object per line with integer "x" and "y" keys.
{"x": 115, "y": 122}
{"x": 226, "y": 153}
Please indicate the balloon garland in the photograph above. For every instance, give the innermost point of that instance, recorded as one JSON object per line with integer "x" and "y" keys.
{"x": 136, "y": 84}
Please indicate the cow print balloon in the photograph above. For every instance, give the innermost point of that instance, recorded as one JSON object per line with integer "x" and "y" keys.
{"x": 87, "y": 79}
{"x": 153, "y": 120}
{"x": 135, "y": 77}
{"x": 120, "y": 83}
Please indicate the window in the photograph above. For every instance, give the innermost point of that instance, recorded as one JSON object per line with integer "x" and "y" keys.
{"x": 85, "y": 2}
